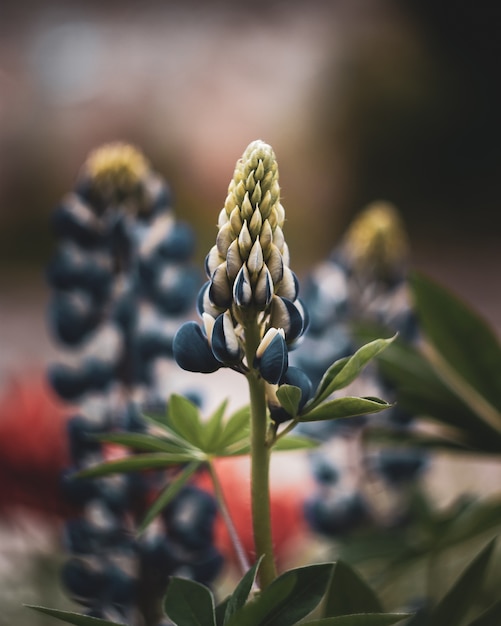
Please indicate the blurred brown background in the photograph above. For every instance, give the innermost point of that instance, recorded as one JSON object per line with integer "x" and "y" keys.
{"x": 361, "y": 100}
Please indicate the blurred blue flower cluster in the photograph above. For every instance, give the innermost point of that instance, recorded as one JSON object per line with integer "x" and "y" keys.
{"x": 121, "y": 282}
{"x": 363, "y": 282}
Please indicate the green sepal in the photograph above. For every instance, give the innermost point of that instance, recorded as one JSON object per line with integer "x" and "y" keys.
{"x": 188, "y": 603}
{"x": 349, "y": 593}
{"x": 348, "y": 406}
{"x": 168, "y": 494}
{"x": 73, "y": 618}
{"x": 289, "y": 397}
{"x": 344, "y": 371}
{"x": 289, "y": 598}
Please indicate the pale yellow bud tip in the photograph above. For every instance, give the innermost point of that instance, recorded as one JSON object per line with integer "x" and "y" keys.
{"x": 377, "y": 237}
{"x": 117, "y": 167}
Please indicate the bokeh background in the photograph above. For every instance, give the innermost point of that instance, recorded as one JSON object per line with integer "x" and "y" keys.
{"x": 361, "y": 100}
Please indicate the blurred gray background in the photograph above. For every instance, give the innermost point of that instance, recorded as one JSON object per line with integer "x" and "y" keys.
{"x": 361, "y": 100}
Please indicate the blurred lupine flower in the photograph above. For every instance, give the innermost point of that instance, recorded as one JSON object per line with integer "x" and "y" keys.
{"x": 121, "y": 280}
{"x": 248, "y": 275}
{"x": 364, "y": 280}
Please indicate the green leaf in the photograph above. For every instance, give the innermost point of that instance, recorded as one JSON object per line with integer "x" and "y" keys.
{"x": 454, "y": 605}
{"x": 188, "y": 603}
{"x": 289, "y": 397}
{"x": 137, "y": 462}
{"x": 344, "y": 371}
{"x": 361, "y": 619}
{"x": 221, "y": 611}
{"x": 347, "y": 406}
{"x": 295, "y": 442}
{"x": 474, "y": 519}
{"x": 239, "y": 597}
{"x": 140, "y": 441}
{"x": 168, "y": 494}
{"x": 73, "y": 618}
{"x": 236, "y": 428}
{"x": 183, "y": 417}
{"x": 461, "y": 336}
{"x": 423, "y": 393}
{"x": 331, "y": 373}
{"x": 490, "y": 617}
{"x": 213, "y": 428}
{"x": 289, "y": 598}
{"x": 349, "y": 593}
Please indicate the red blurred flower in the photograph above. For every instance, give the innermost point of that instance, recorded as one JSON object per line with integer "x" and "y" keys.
{"x": 33, "y": 447}
{"x": 288, "y": 525}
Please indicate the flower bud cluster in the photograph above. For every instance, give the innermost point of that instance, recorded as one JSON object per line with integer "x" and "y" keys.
{"x": 248, "y": 276}
{"x": 364, "y": 280}
{"x": 121, "y": 279}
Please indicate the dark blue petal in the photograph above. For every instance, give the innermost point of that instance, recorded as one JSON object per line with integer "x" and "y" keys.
{"x": 71, "y": 320}
{"x": 67, "y": 224}
{"x": 242, "y": 290}
{"x": 219, "y": 289}
{"x": 189, "y": 518}
{"x": 192, "y": 351}
{"x": 274, "y": 361}
{"x": 201, "y": 297}
{"x": 82, "y": 580}
{"x": 223, "y": 349}
{"x": 296, "y": 322}
{"x": 174, "y": 290}
{"x": 179, "y": 244}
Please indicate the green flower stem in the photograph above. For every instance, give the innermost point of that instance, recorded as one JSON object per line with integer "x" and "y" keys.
{"x": 232, "y": 531}
{"x": 260, "y": 461}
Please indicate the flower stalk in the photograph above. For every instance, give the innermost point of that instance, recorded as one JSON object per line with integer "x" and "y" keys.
{"x": 260, "y": 464}
{"x": 251, "y": 318}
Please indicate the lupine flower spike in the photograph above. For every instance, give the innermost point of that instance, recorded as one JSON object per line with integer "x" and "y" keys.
{"x": 121, "y": 281}
{"x": 251, "y": 315}
{"x": 249, "y": 278}
{"x": 365, "y": 280}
